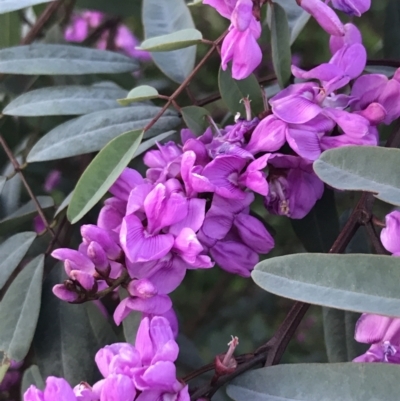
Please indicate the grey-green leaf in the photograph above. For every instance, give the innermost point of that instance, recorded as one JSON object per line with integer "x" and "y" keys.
{"x": 102, "y": 172}
{"x": 280, "y": 43}
{"x": 54, "y": 59}
{"x": 233, "y": 91}
{"x": 19, "y": 310}
{"x": 12, "y": 252}
{"x": 11, "y": 5}
{"x": 91, "y": 132}
{"x": 165, "y": 17}
{"x": 24, "y": 214}
{"x": 360, "y": 283}
{"x": 318, "y": 382}
{"x": 173, "y": 41}
{"x": 57, "y": 349}
{"x": 10, "y": 32}
{"x": 64, "y": 100}
{"x": 296, "y": 16}
{"x": 31, "y": 376}
{"x": 362, "y": 168}
{"x": 138, "y": 94}
{"x": 2, "y": 182}
{"x": 195, "y": 118}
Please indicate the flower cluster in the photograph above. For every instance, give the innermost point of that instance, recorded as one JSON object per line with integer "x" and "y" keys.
{"x": 382, "y": 332}
{"x": 124, "y": 41}
{"x": 144, "y": 372}
{"x": 240, "y": 45}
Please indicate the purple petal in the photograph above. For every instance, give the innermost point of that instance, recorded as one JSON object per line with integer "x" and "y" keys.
{"x": 295, "y": 109}
{"x": 161, "y": 375}
{"x": 269, "y": 136}
{"x": 96, "y": 253}
{"x": 141, "y": 288}
{"x": 143, "y": 342}
{"x": 352, "y": 35}
{"x": 352, "y": 7}
{"x": 223, "y": 173}
{"x": 367, "y": 89}
{"x": 351, "y": 59}
{"x": 187, "y": 245}
{"x": 163, "y": 338}
{"x": 390, "y": 100}
{"x": 91, "y": 232}
{"x": 324, "y": 15}
{"x": 228, "y": 206}
{"x": 217, "y": 223}
{"x": 253, "y": 233}
{"x": 353, "y": 125}
{"x": 390, "y": 235}
{"x": 234, "y": 257}
{"x": 118, "y": 388}
{"x": 61, "y": 292}
{"x": 374, "y": 113}
{"x": 86, "y": 280}
{"x": 194, "y": 218}
{"x": 138, "y": 245}
{"x": 137, "y": 197}
{"x": 78, "y": 258}
{"x": 128, "y": 180}
{"x": 324, "y": 72}
{"x": 58, "y": 389}
{"x": 242, "y": 14}
{"x": 305, "y": 143}
{"x": 372, "y": 329}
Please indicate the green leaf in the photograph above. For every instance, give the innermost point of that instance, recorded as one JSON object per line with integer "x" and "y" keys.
{"x": 362, "y": 168}
{"x": 360, "y": 283}
{"x": 138, "y": 94}
{"x": 64, "y": 100}
{"x": 233, "y": 91}
{"x": 91, "y": 132}
{"x": 296, "y": 16}
{"x": 10, "y": 32}
{"x": 391, "y": 30}
{"x": 57, "y": 349}
{"x": 102, "y": 172}
{"x": 11, "y": 5}
{"x": 319, "y": 229}
{"x": 280, "y": 43}
{"x": 318, "y": 382}
{"x": 165, "y": 17}
{"x": 19, "y": 310}
{"x": 195, "y": 3}
{"x": 31, "y": 376}
{"x": 24, "y": 214}
{"x": 64, "y": 204}
{"x": 50, "y": 59}
{"x": 12, "y": 252}
{"x": 195, "y": 118}
{"x": 172, "y": 41}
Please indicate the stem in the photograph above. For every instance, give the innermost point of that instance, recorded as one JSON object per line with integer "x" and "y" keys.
{"x": 17, "y": 168}
{"x": 185, "y": 83}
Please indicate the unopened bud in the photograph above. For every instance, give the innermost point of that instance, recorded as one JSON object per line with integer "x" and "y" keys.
{"x": 85, "y": 280}
{"x": 60, "y": 291}
{"x": 142, "y": 288}
{"x": 98, "y": 256}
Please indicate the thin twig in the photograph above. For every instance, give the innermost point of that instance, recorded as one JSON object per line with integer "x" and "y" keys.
{"x": 40, "y": 23}
{"x": 17, "y": 167}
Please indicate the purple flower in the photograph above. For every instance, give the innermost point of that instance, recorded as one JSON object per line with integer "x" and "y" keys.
{"x": 324, "y": 15}
{"x": 378, "y": 88}
{"x": 352, "y": 35}
{"x": 52, "y": 180}
{"x": 240, "y": 45}
{"x": 294, "y": 188}
{"x": 352, "y": 7}
{"x": 390, "y": 235}
{"x": 56, "y": 389}
{"x": 383, "y": 333}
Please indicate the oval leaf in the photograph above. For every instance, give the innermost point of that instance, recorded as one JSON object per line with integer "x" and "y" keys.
{"x": 143, "y": 92}
{"x": 11, "y": 253}
{"x": 362, "y": 168}
{"x": 11, "y": 5}
{"x": 57, "y": 349}
{"x": 361, "y": 283}
{"x": 101, "y": 173}
{"x": 280, "y": 44}
{"x": 318, "y": 382}
{"x": 64, "y": 100}
{"x": 233, "y": 91}
{"x": 49, "y": 59}
{"x": 165, "y": 17}
{"x": 19, "y": 310}
{"x": 92, "y": 132}
{"x": 172, "y": 41}
{"x": 24, "y": 214}
{"x": 195, "y": 118}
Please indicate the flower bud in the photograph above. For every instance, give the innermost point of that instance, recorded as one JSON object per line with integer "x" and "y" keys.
{"x": 92, "y": 233}
{"x": 85, "y": 280}
{"x": 142, "y": 288}
{"x": 60, "y": 291}
{"x": 97, "y": 254}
